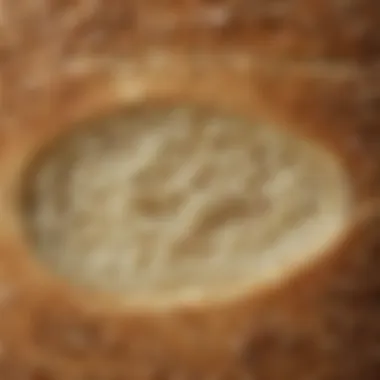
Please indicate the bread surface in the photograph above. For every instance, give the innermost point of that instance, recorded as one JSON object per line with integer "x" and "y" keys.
{"x": 308, "y": 68}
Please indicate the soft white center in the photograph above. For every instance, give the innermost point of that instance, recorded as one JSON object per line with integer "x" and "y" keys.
{"x": 183, "y": 204}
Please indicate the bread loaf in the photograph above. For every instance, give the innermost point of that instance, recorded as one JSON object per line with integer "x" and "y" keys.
{"x": 189, "y": 189}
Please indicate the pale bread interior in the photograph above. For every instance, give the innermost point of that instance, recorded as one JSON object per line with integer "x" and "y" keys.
{"x": 177, "y": 205}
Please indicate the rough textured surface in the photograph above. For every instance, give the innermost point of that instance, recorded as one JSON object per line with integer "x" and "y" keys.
{"x": 182, "y": 204}
{"x": 316, "y": 29}
{"x": 64, "y": 60}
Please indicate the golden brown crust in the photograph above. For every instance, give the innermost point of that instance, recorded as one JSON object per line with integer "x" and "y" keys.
{"x": 65, "y": 60}
{"x": 302, "y": 29}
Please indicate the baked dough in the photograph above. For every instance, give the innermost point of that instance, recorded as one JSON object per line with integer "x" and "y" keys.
{"x": 112, "y": 72}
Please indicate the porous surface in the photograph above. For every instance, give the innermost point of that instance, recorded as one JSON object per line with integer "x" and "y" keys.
{"x": 183, "y": 204}
{"x": 63, "y": 61}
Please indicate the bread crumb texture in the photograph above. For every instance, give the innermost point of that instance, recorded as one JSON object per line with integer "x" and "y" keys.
{"x": 185, "y": 204}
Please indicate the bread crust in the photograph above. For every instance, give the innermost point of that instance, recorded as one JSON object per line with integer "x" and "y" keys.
{"x": 303, "y": 29}
{"x": 63, "y": 61}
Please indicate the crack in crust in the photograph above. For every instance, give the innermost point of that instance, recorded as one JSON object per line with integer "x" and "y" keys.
{"x": 166, "y": 205}
{"x": 62, "y": 60}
